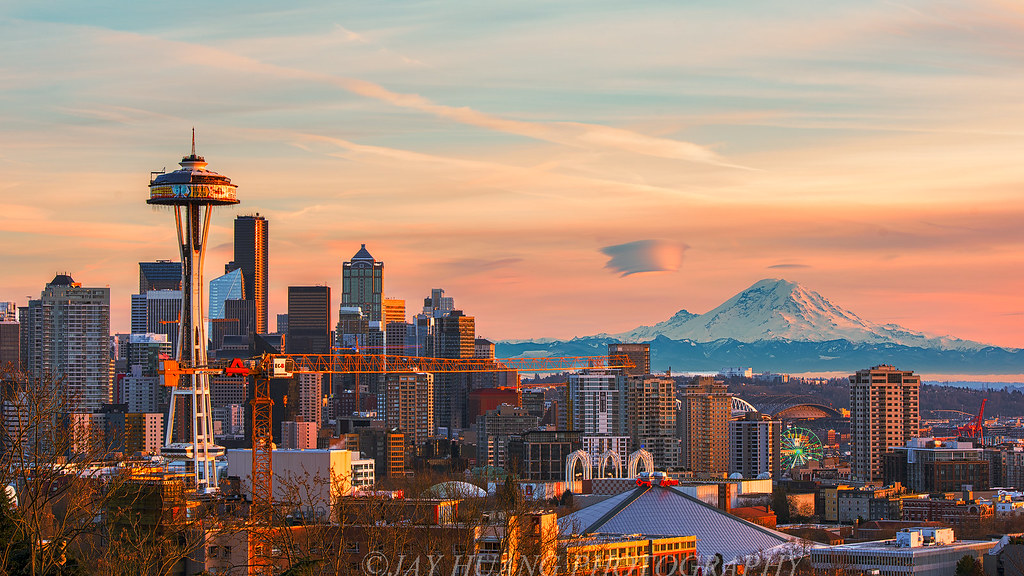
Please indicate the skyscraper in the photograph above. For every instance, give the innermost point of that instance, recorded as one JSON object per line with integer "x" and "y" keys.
{"x": 704, "y": 426}
{"x": 884, "y": 414}
{"x": 309, "y": 320}
{"x": 159, "y": 275}
{"x": 230, "y": 286}
{"x": 454, "y": 337}
{"x": 251, "y": 251}
{"x": 66, "y": 335}
{"x": 639, "y": 354}
{"x": 362, "y": 284}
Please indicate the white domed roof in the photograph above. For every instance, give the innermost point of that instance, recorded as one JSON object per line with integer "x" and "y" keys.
{"x": 455, "y": 489}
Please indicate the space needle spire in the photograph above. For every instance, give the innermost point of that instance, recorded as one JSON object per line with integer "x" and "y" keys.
{"x": 192, "y": 191}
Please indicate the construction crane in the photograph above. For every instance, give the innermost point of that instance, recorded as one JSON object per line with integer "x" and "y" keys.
{"x": 275, "y": 366}
{"x": 973, "y": 429}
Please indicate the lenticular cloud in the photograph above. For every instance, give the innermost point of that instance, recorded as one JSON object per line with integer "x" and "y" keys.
{"x": 645, "y": 256}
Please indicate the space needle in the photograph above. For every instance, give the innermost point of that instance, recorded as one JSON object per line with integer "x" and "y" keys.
{"x": 192, "y": 191}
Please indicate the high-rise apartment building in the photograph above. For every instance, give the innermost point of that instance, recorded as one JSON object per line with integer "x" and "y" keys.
{"x": 639, "y": 354}
{"x": 362, "y": 284}
{"x": 159, "y": 275}
{"x": 66, "y": 336}
{"x": 884, "y": 414}
{"x": 309, "y": 320}
{"x": 598, "y": 403}
{"x": 704, "y": 426}
{"x": 252, "y": 248}
{"x": 651, "y": 417}
{"x": 410, "y": 407}
{"x": 310, "y": 388}
{"x": 754, "y": 447}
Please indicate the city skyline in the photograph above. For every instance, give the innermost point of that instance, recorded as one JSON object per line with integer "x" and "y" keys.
{"x": 600, "y": 167}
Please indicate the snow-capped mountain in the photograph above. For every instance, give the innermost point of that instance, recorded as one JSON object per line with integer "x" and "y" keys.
{"x": 781, "y": 326}
{"x": 774, "y": 309}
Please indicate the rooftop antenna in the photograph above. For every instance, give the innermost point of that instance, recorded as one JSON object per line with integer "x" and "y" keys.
{"x": 193, "y": 140}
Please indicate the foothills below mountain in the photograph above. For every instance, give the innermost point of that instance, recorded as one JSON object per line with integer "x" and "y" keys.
{"x": 780, "y": 326}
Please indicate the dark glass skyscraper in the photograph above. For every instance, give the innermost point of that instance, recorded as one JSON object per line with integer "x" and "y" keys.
{"x": 309, "y": 320}
{"x": 251, "y": 251}
{"x": 159, "y": 275}
{"x": 362, "y": 284}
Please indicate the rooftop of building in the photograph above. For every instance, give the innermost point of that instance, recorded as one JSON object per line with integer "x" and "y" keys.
{"x": 63, "y": 280}
{"x": 891, "y": 546}
{"x": 363, "y": 254}
{"x": 667, "y": 510}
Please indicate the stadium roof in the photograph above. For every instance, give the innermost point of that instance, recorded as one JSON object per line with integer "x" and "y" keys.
{"x": 666, "y": 511}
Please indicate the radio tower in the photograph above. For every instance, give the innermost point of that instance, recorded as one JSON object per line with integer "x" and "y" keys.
{"x": 192, "y": 191}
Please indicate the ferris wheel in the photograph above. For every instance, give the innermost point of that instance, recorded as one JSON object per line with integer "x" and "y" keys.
{"x": 798, "y": 446}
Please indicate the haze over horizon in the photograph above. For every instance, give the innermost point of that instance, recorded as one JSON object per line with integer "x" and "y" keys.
{"x": 559, "y": 169}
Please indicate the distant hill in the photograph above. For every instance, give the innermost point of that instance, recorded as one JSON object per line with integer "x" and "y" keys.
{"x": 780, "y": 326}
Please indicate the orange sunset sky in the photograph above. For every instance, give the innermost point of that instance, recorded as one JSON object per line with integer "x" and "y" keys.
{"x": 871, "y": 151}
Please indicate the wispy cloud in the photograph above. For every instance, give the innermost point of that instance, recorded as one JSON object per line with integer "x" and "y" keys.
{"x": 575, "y": 134}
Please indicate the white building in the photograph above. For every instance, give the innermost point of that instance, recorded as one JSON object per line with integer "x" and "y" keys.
{"x": 736, "y": 371}
{"x": 917, "y": 551}
{"x": 363, "y": 472}
{"x": 310, "y": 481}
